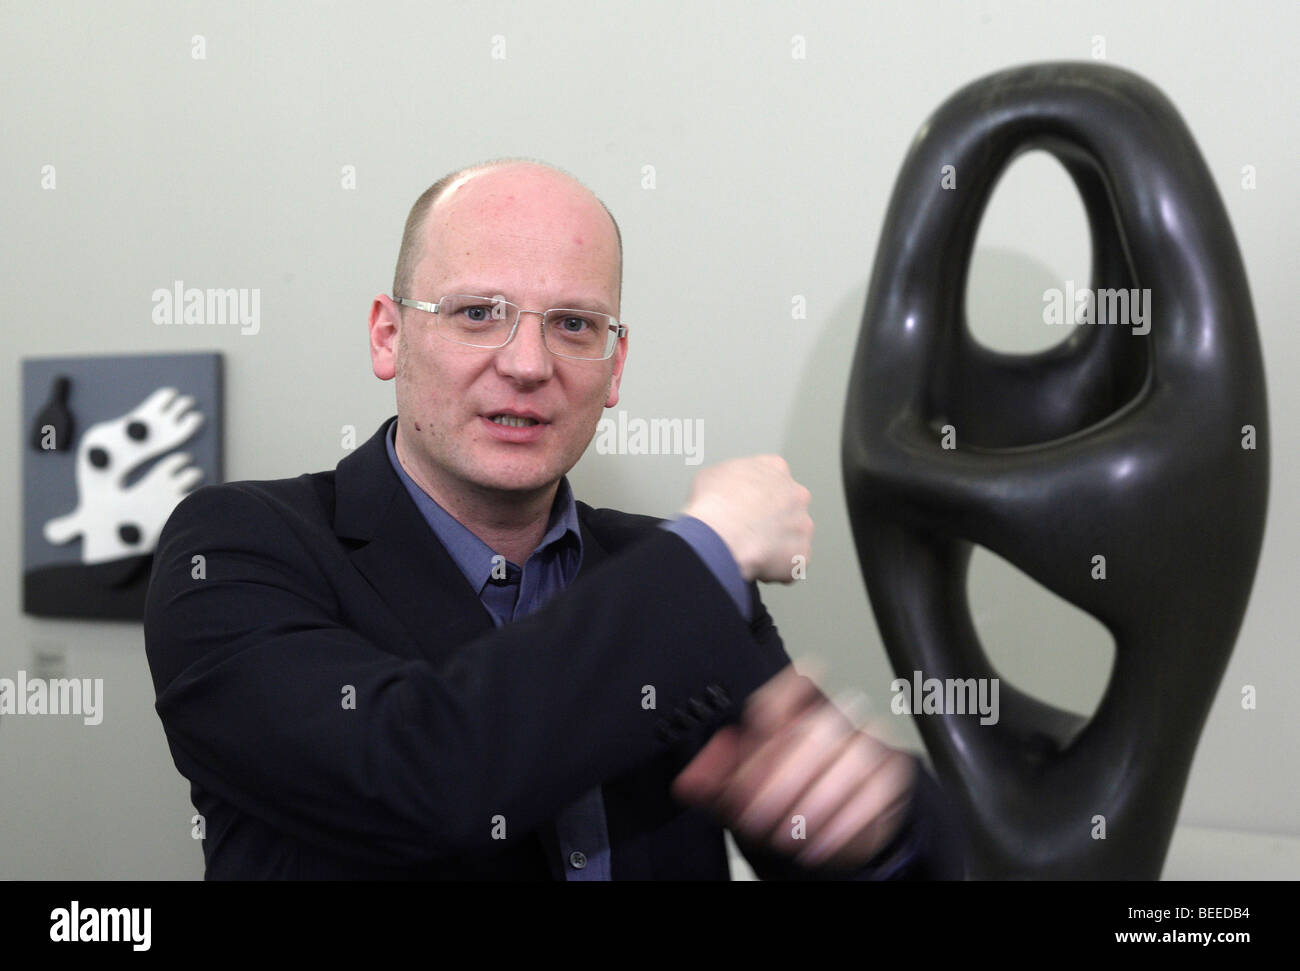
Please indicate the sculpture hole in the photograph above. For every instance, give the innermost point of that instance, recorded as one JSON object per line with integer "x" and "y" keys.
{"x": 1042, "y": 644}
{"x": 1033, "y": 238}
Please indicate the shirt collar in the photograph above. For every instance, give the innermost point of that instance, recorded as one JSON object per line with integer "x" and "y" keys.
{"x": 473, "y": 556}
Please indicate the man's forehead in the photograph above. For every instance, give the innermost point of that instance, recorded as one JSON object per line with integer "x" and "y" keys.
{"x": 573, "y": 294}
{"x": 523, "y": 217}
{"x": 519, "y": 190}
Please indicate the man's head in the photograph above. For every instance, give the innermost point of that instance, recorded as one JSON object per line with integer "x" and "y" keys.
{"x": 537, "y": 237}
{"x": 413, "y": 237}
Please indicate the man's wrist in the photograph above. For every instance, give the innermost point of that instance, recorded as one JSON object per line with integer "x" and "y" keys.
{"x": 728, "y": 537}
{"x": 717, "y": 556}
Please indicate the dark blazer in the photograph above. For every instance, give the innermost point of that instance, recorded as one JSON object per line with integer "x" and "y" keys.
{"x": 343, "y": 706}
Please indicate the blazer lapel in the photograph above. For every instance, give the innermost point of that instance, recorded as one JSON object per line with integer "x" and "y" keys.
{"x": 436, "y": 610}
{"x": 400, "y": 556}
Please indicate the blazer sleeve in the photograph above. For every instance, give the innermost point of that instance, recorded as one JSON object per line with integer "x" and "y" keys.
{"x": 274, "y": 703}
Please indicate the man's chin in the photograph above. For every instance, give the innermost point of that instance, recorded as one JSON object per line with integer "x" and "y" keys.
{"x": 518, "y": 483}
{"x": 515, "y": 470}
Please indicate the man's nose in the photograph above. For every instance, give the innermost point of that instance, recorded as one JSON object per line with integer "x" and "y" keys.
{"x": 526, "y": 358}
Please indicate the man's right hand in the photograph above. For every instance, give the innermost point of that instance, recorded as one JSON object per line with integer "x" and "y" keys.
{"x": 760, "y": 512}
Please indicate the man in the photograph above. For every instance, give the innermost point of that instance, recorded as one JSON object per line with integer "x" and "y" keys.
{"x": 434, "y": 662}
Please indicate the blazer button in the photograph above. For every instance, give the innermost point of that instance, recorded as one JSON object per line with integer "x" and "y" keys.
{"x": 577, "y": 860}
{"x": 666, "y": 733}
{"x": 718, "y": 698}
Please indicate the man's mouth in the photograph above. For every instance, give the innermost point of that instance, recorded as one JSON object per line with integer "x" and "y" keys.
{"x": 514, "y": 421}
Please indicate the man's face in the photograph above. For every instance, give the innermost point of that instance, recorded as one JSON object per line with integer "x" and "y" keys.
{"x": 540, "y": 241}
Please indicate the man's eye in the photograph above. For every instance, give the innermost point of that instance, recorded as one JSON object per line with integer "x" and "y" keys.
{"x": 574, "y": 325}
{"x": 477, "y": 314}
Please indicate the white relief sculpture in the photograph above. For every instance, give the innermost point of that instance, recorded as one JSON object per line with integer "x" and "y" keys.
{"x": 113, "y": 519}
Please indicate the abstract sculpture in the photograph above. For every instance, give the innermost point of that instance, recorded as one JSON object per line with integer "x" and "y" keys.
{"x": 1149, "y": 449}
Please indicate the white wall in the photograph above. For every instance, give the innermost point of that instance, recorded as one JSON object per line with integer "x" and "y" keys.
{"x": 773, "y": 174}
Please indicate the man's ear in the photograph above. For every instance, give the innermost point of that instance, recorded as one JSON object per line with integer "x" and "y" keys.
{"x": 385, "y": 332}
{"x": 620, "y": 355}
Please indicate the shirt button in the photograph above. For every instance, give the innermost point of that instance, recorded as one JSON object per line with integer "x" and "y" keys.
{"x": 577, "y": 859}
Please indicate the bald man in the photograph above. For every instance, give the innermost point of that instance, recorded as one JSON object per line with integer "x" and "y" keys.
{"x": 434, "y": 662}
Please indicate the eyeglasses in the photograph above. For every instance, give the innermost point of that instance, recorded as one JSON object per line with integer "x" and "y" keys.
{"x": 491, "y": 322}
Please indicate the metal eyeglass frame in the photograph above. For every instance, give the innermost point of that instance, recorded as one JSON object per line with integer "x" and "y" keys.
{"x": 616, "y": 330}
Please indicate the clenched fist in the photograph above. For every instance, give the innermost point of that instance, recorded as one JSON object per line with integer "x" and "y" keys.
{"x": 760, "y": 512}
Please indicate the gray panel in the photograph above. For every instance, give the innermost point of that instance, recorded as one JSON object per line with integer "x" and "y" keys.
{"x": 102, "y": 388}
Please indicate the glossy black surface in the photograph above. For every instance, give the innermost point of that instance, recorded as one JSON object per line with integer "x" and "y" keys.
{"x": 1110, "y": 443}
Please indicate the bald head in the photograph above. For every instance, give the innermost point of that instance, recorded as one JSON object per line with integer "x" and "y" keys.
{"x": 500, "y": 182}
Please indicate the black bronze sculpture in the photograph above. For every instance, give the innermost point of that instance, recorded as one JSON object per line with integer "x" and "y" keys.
{"x": 1147, "y": 449}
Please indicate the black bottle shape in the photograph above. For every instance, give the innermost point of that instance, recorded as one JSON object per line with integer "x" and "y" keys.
{"x": 57, "y": 416}
{"x": 1132, "y": 447}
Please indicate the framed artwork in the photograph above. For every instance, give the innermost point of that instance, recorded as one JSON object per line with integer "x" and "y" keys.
{"x": 111, "y": 444}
